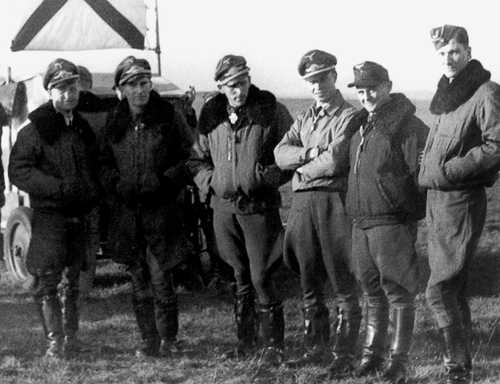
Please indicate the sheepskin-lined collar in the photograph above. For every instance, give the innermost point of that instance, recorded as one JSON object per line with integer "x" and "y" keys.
{"x": 449, "y": 96}
{"x": 259, "y": 108}
{"x": 49, "y": 123}
{"x": 157, "y": 111}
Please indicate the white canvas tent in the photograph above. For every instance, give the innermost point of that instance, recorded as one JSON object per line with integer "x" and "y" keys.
{"x": 61, "y": 25}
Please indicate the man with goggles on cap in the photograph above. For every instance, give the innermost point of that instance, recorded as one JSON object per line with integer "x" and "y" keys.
{"x": 146, "y": 143}
{"x": 235, "y": 166}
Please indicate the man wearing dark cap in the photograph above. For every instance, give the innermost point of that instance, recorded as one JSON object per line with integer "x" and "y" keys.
{"x": 384, "y": 202}
{"x": 145, "y": 147}
{"x": 52, "y": 160}
{"x": 317, "y": 232}
{"x": 461, "y": 158}
{"x": 235, "y": 166}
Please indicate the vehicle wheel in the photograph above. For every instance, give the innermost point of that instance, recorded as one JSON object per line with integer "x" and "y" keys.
{"x": 17, "y": 239}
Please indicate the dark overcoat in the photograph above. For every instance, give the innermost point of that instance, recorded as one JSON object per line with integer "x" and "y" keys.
{"x": 142, "y": 171}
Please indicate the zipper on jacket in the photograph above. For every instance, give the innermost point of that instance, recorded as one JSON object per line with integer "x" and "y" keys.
{"x": 135, "y": 153}
{"x": 359, "y": 149}
{"x": 363, "y": 132}
{"x": 233, "y": 155}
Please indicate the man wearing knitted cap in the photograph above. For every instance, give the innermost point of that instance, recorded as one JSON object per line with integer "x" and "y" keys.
{"x": 235, "y": 167}
{"x": 317, "y": 233}
{"x": 461, "y": 158}
{"x": 384, "y": 202}
{"x": 53, "y": 160}
{"x": 146, "y": 144}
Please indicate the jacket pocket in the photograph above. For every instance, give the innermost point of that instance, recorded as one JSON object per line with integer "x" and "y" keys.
{"x": 222, "y": 181}
{"x": 399, "y": 193}
{"x": 432, "y": 174}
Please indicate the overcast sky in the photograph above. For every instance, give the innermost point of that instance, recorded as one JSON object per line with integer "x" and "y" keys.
{"x": 273, "y": 34}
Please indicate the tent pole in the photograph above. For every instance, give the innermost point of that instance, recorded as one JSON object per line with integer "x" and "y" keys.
{"x": 157, "y": 49}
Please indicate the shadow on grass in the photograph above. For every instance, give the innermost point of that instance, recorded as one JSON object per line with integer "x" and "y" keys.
{"x": 108, "y": 280}
{"x": 483, "y": 273}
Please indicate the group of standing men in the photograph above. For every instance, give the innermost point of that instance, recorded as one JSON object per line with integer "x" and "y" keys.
{"x": 358, "y": 180}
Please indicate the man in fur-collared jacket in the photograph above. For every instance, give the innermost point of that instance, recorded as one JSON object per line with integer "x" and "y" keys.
{"x": 461, "y": 158}
{"x": 145, "y": 147}
{"x": 53, "y": 160}
{"x": 384, "y": 202}
{"x": 238, "y": 130}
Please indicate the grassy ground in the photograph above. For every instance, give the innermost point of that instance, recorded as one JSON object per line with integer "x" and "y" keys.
{"x": 108, "y": 326}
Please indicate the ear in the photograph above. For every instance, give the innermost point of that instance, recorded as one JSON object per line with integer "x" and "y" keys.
{"x": 469, "y": 52}
{"x": 334, "y": 76}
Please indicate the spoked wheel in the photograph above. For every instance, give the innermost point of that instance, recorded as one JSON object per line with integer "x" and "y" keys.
{"x": 17, "y": 239}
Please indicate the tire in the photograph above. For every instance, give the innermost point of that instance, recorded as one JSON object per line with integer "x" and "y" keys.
{"x": 17, "y": 238}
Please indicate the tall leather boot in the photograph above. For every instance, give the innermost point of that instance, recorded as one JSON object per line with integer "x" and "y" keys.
{"x": 316, "y": 336}
{"x": 347, "y": 331}
{"x": 403, "y": 319}
{"x": 456, "y": 357}
{"x": 167, "y": 322}
{"x": 69, "y": 301}
{"x": 272, "y": 333}
{"x": 145, "y": 316}
{"x": 49, "y": 309}
{"x": 246, "y": 327}
{"x": 377, "y": 320}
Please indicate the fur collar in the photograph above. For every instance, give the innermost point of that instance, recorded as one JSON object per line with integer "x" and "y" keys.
{"x": 50, "y": 124}
{"x": 449, "y": 96}
{"x": 260, "y": 108}
{"x": 157, "y": 111}
{"x": 389, "y": 116}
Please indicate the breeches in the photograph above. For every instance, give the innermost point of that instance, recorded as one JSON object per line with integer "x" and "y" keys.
{"x": 386, "y": 262}
{"x": 317, "y": 241}
{"x": 251, "y": 245}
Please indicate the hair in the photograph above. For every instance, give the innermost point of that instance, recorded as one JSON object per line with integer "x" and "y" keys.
{"x": 460, "y": 35}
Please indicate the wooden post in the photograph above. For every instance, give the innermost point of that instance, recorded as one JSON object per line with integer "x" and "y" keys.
{"x": 157, "y": 49}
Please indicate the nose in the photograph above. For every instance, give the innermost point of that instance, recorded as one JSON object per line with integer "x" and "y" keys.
{"x": 366, "y": 97}
{"x": 447, "y": 59}
{"x": 68, "y": 94}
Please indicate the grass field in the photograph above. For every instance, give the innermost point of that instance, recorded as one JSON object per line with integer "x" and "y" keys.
{"x": 206, "y": 327}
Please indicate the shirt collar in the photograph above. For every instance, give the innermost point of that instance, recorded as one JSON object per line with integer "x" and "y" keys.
{"x": 330, "y": 108}
{"x": 68, "y": 118}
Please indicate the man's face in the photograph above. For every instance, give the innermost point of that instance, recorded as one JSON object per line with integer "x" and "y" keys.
{"x": 323, "y": 86}
{"x": 137, "y": 92}
{"x": 373, "y": 97}
{"x": 454, "y": 57}
{"x": 236, "y": 91}
{"x": 64, "y": 95}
